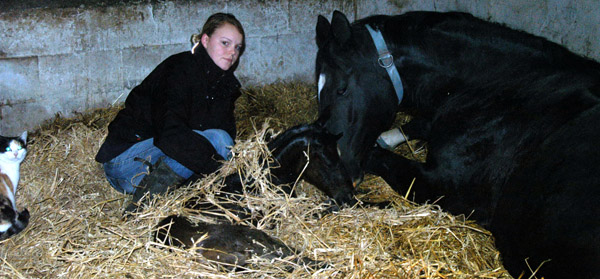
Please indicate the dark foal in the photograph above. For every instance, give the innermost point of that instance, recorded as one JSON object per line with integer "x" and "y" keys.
{"x": 234, "y": 244}
{"x": 231, "y": 245}
{"x": 322, "y": 168}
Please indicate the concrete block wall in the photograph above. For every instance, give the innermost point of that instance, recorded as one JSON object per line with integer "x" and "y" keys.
{"x": 67, "y": 56}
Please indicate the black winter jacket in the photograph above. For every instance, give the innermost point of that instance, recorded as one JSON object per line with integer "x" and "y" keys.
{"x": 185, "y": 92}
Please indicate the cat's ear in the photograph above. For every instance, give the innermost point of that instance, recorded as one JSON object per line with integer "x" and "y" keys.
{"x": 23, "y": 136}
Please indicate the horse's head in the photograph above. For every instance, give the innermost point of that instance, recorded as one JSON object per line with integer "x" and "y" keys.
{"x": 353, "y": 88}
{"x": 313, "y": 144}
{"x": 326, "y": 170}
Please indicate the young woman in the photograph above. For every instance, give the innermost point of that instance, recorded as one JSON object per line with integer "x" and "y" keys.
{"x": 181, "y": 113}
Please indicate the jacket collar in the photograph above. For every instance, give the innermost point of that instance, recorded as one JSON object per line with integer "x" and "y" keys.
{"x": 211, "y": 70}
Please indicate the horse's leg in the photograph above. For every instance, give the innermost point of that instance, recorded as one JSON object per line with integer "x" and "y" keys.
{"x": 431, "y": 184}
{"x": 397, "y": 171}
{"x": 417, "y": 128}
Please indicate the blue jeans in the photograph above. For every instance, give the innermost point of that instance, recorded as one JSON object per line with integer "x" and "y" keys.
{"x": 123, "y": 172}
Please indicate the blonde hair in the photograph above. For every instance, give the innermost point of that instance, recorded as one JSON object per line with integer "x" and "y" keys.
{"x": 195, "y": 38}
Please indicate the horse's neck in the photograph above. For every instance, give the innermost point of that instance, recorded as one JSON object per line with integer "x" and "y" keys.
{"x": 483, "y": 53}
{"x": 291, "y": 153}
{"x": 292, "y": 148}
{"x": 431, "y": 74}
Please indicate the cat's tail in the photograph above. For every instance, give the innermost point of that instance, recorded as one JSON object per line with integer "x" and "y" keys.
{"x": 14, "y": 225}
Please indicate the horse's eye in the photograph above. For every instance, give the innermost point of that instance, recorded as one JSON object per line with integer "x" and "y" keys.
{"x": 342, "y": 91}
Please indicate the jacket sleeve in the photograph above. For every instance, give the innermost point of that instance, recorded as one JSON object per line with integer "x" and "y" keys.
{"x": 171, "y": 132}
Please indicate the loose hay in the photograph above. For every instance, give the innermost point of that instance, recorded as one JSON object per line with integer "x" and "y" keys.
{"x": 77, "y": 230}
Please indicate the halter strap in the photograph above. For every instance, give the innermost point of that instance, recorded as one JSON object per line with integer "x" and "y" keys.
{"x": 386, "y": 61}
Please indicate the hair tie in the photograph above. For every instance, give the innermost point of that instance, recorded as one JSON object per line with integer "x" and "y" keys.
{"x": 194, "y": 47}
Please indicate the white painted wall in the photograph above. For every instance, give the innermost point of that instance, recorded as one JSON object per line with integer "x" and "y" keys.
{"x": 67, "y": 58}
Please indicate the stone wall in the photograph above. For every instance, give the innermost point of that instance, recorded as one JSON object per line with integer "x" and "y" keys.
{"x": 67, "y": 56}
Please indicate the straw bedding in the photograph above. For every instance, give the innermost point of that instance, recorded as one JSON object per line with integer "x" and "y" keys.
{"x": 77, "y": 230}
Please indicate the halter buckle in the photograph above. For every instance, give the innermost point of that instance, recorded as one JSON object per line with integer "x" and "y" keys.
{"x": 386, "y": 60}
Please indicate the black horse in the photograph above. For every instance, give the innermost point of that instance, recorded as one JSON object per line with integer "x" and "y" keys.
{"x": 512, "y": 123}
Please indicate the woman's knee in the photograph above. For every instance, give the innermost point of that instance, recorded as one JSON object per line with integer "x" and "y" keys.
{"x": 220, "y": 140}
{"x": 217, "y": 136}
{"x": 123, "y": 175}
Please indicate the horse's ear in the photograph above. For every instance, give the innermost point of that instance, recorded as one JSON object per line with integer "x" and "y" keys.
{"x": 323, "y": 28}
{"x": 340, "y": 28}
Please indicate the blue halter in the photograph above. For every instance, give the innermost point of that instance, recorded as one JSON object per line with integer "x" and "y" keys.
{"x": 386, "y": 61}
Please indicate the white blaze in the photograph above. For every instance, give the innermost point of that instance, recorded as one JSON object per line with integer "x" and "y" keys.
{"x": 321, "y": 83}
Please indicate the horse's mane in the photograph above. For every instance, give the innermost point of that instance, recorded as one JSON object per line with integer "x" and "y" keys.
{"x": 298, "y": 135}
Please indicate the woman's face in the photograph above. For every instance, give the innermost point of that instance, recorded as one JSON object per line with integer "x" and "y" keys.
{"x": 224, "y": 45}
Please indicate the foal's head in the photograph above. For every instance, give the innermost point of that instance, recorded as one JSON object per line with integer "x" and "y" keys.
{"x": 309, "y": 151}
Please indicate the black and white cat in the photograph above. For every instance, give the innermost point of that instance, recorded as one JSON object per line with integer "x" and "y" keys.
{"x": 12, "y": 153}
